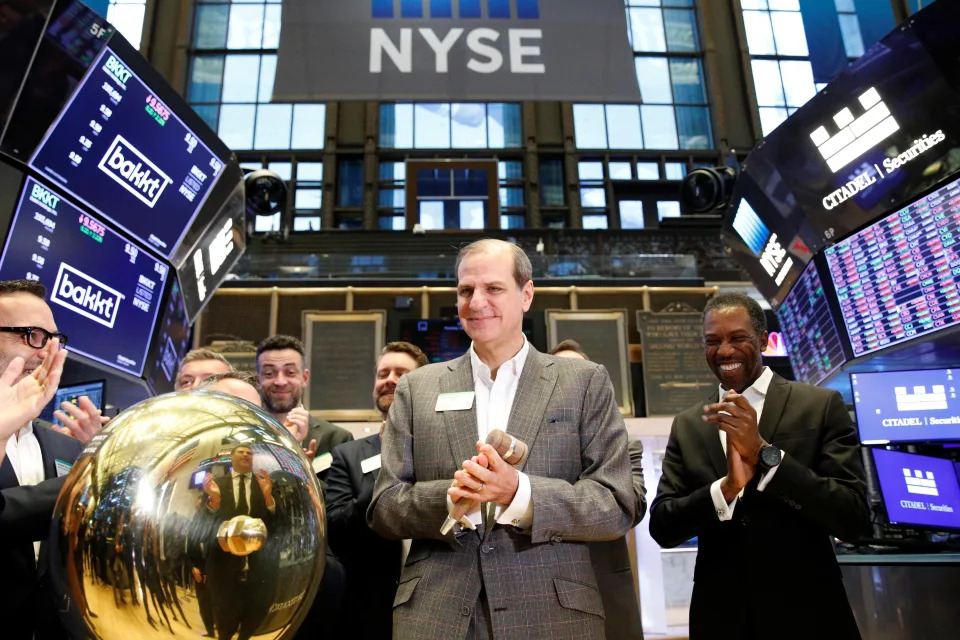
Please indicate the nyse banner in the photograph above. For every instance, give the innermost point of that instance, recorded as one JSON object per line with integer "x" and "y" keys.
{"x": 455, "y": 50}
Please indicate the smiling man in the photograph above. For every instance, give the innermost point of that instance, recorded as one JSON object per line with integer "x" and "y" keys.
{"x": 283, "y": 375}
{"x": 515, "y": 566}
{"x": 763, "y": 474}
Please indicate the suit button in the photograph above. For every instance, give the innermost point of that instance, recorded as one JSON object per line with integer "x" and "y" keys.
{"x": 487, "y": 548}
{"x": 556, "y": 539}
{"x": 465, "y": 611}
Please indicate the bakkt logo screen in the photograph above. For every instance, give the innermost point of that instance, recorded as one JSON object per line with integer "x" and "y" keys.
{"x": 119, "y": 149}
{"x": 104, "y": 291}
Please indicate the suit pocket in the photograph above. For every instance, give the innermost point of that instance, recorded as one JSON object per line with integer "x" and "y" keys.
{"x": 578, "y": 596}
{"x": 405, "y": 591}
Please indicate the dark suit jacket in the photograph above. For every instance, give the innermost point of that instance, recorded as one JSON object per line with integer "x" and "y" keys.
{"x": 372, "y": 564}
{"x": 26, "y": 518}
{"x": 772, "y": 567}
{"x": 611, "y": 563}
{"x": 222, "y": 567}
{"x": 539, "y": 584}
{"x": 327, "y": 435}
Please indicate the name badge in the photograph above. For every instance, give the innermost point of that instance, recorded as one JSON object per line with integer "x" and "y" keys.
{"x": 459, "y": 401}
{"x": 322, "y": 462}
{"x": 370, "y": 464}
{"x": 63, "y": 467}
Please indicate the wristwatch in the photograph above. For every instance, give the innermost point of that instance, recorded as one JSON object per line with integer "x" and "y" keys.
{"x": 768, "y": 457}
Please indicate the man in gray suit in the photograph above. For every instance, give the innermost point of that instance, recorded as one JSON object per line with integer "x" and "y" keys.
{"x": 611, "y": 558}
{"x": 517, "y": 566}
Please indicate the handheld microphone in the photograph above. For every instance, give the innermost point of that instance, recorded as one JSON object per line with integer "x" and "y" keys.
{"x": 513, "y": 452}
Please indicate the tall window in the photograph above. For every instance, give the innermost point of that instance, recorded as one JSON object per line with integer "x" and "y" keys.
{"x": 127, "y": 17}
{"x": 232, "y": 65}
{"x": 782, "y": 73}
{"x": 669, "y": 68}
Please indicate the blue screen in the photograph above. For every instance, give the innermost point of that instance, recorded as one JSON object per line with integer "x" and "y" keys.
{"x": 104, "y": 290}
{"x": 172, "y": 342}
{"x": 918, "y": 490}
{"x": 72, "y": 394}
{"x": 120, "y": 150}
{"x": 907, "y": 406}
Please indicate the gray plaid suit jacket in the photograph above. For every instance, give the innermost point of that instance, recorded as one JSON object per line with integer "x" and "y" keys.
{"x": 539, "y": 584}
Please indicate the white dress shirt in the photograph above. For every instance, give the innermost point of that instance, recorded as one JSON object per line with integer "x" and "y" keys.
{"x": 26, "y": 458}
{"x": 494, "y": 401}
{"x": 756, "y": 395}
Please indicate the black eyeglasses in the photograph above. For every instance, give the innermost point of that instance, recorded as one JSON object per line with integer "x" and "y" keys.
{"x": 37, "y": 337}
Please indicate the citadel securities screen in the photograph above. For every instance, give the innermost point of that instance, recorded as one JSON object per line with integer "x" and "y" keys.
{"x": 119, "y": 149}
{"x": 918, "y": 490}
{"x": 104, "y": 290}
{"x": 898, "y": 278}
{"x": 907, "y": 406}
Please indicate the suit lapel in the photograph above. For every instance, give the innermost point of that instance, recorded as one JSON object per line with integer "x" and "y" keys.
{"x": 773, "y": 404}
{"x": 534, "y": 389}
{"x": 461, "y": 426}
{"x": 711, "y": 437}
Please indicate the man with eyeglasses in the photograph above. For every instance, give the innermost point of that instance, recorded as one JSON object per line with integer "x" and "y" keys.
{"x": 763, "y": 474}
{"x": 37, "y": 460}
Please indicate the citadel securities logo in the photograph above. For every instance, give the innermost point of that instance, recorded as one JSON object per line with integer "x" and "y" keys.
{"x": 87, "y": 296}
{"x": 856, "y": 136}
{"x": 134, "y": 172}
{"x": 921, "y": 483}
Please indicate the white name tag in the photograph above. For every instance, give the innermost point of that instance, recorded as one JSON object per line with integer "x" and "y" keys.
{"x": 322, "y": 462}
{"x": 63, "y": 468}
{"x": 460, "y": 401}
{"x": 370, "y": 464}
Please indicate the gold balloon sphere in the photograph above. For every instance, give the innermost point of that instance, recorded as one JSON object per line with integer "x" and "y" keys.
{"x": 178, "y": 521}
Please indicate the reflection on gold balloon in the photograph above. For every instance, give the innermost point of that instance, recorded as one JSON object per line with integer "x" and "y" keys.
{"x": 178, "y": 520}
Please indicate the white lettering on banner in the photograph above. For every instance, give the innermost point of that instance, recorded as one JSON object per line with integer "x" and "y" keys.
{"x": 139, "y": 176}
{"x": 522, "y": 45}
{"x": 199, "y": 273}
{"x": 773, "y": 254}
{"x": 919, "y": 146}
{"x": 901, "y": 422}
{"x": 847, "y": 191}
{"x": 118, "y": 71}
{"x": 913, "y": 504}
{"x": 221, "y": 247}
{"x": 85, "y": 295}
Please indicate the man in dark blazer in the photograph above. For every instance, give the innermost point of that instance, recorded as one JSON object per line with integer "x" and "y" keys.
{"x": 283, "y": 375}
{"x": 241, "y": 587}
{"x": 763, "y": 474}
{"x": 611, "y": 558}
{"x": 372, "y": 564}
{"x": 36, "y": 460}
{"x": 516, "y": 567}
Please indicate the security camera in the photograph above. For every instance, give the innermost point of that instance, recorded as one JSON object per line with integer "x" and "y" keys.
{"x": 265, "y": 193}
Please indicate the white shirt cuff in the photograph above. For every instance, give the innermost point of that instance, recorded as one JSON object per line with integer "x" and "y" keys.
{"x": 769, "y": 473}
{"x": 518, "y": 513}
{"x": 723, "y": 510}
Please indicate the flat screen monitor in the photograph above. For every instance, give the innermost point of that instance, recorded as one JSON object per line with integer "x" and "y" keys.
{"x": 898, "y": 279}
{"x": 812, "y": 341}
{"x": 907, "y": 406}
{"x": 122, "y": 147}
{"x": 918, "y": 491}
{"x": 171, "y": 344}
{"x": 95, "y": 390}
{"x": 443, "y": 340}
{"x": 104, "y": 290}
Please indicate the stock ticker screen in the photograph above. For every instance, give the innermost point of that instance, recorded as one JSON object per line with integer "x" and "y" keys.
{"x": 119, "y": 149}
{"x": 104, "y": 291}
{"x": 897, "y": 279}
{"x": 814, "y": 345}
{"x": 172, "y": 341}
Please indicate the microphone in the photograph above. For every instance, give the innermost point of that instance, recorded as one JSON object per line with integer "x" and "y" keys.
{"x": 513, "y": 452}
